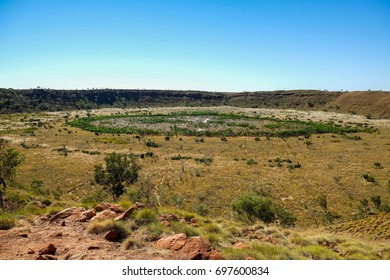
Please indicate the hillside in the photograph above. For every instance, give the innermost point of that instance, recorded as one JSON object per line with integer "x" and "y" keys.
{"x": 369, "y": 103}
{"x": 109, "y": 232}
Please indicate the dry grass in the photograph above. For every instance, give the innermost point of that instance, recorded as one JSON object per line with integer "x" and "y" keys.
{"x": 331, "y": 164}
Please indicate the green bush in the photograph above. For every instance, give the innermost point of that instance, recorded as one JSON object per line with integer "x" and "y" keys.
{"x": 6, "y": 222}
{"x": 212, "y": 228}
{"x": 146, "y": 216}
{"x": 151, "y": 143}
{"x": 369, "y": 178}
{"x": 204, "y": 160}
{"x": 202, "y": 210}
{"x": 251, "y": 162}
{"x": 249, "y": 208}
{"x": 107, "y": 225}
{"x": 188, "y": 230}
{"x": 131, "y": 244}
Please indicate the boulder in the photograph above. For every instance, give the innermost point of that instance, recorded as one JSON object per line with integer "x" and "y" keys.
{"x": 215, "y": 255}
{"x": 172, "y": 242}
{"x": 197, "y": 248}
{"x": 87, "y": 215}
{"x": 73, "y": 211}
{"x": 109, "y": 206}
{"x": 112, "y": 235}
{"x": 129, "y": 211}
{"x": 105, "y": 215}
{"x": 48, "y": 249}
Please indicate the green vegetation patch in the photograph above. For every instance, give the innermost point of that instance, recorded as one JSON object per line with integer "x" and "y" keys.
{"x": 207, "y": 123}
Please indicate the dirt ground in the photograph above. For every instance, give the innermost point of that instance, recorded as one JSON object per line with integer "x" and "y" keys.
{"x": 72, "y": 243}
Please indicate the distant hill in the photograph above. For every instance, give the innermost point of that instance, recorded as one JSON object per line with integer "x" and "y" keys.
{"x": 370, "y": 103}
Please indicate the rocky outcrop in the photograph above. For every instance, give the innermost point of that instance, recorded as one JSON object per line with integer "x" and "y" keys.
{"x": 48, "y": 249}
{"x": 87, "y": 215}
{"x": 109, "y": 206}
{"x": 197, "y": 248}
{"x": 129, "y": 211}
{"x": 194, "y": 248}
{"x": 105, "y": 215}
{"x": 112, "y": 235}
{"x": 172, "y": 242}
{"x": 76, "y": 212}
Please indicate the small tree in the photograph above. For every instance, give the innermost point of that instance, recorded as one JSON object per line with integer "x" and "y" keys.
{"x": 120, "y": 170}
{"x": 9, "y": 161}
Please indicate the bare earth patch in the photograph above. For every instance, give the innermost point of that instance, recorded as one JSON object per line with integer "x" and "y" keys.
{"x": 72, "y": 243}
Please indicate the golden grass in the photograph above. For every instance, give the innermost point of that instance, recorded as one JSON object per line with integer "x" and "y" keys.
{"x": 333, "y": 165}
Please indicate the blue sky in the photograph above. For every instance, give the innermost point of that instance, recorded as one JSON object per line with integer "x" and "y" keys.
{"x": 207, "y": 45}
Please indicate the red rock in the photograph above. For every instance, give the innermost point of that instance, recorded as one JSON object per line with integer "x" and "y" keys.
{"x": 87, "y": 215}
{"x": 109, "y": 206}
{"x": 112, "y": 235}
{"x": 46, "y": 257}
{"x": 129, "y": 211}
{"x": 172, "y": 242}
{"x": 105, "y": 215}
{"x": 215, "y": 255}
{"x": 197, "y": 248}
{"x": 73, "y": 211}
{"x": 48, "y": 249}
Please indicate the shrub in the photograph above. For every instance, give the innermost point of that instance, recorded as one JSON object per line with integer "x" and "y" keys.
{"x": 120, "y": 170}
{"x": 212, "y": 228}
{"x": 204, "y": 160}
{"x": 202, "y": 210}
{"x": 251, "y": 162}
{"x": 38, "y": 188}
{"x": 151, "y": 143}
{"x": 285, "y": 217}
{"x": 6, "y": 222}
{"x": 154, "y": 230}
{"x": 188, "y": 230}
{"x": 249, "y": 208}
{"x": 377, "y": 201}
{"x": 107, "y": 225}
{"x": 369, "y": 178}
{"x": 146, "y": 216}
{"x": 132, "y": 243}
